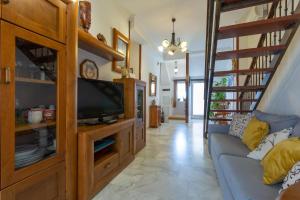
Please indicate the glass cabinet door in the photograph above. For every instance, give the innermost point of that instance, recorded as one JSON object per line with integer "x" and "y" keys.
{"x": 140, "y": 104}
{"x": 35, "y": 103}
{"x": 35, "y": 66}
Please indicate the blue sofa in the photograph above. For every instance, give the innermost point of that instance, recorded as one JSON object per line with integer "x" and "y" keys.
{"x": 240, "y": 178}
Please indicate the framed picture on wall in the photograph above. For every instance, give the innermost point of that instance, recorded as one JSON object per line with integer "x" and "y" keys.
{"x": 152, "y": 85}
{"x": 121, "y": 44}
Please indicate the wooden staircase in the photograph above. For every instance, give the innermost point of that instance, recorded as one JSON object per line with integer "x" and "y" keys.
{"x": 275, "y": 31}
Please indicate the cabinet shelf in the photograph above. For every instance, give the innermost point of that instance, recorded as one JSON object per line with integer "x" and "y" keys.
{"x": 26, "y": 127}
{"x": 37, "y": 81}
{"x": 89, "y": 43}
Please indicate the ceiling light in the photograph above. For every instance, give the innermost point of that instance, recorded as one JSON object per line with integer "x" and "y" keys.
{"x": 183, "y": 49}
{"x": 161, "y": 48}
{"x": 183, "y": 44}
{"x": 171, "y": 53}
{"x": 165, "y": 43}
{"x": 172, "y": 46}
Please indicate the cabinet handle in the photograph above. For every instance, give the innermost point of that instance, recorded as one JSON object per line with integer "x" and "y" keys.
{"x": 5, "y": 1}
{"x": 7, "y": 75}
{"x": 107, "y": 166}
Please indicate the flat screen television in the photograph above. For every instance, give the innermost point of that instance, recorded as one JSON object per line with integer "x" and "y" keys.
{"x": 99, "y": 99}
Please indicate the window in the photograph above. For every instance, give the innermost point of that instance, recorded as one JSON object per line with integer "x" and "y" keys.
{"x": 181, "y": 91}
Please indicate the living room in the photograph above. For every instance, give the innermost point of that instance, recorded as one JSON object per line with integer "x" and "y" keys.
{"x": 159, "y": 100}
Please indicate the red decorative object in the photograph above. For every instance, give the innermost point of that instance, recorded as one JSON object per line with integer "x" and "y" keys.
{"x": 85, "y": 15}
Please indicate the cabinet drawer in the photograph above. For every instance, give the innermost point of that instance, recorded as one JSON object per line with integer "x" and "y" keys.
{"x": 46, "y": 17}
{"x": 106, "y": 166}
{"x": 46, "y": 185}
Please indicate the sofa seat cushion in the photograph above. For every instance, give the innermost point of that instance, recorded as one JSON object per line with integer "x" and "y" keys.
{"x": 227, "y": 144}
{"x": 244, "y": 176}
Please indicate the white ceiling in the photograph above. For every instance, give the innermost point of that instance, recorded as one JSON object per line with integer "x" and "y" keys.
{"x": 153, "y": 21}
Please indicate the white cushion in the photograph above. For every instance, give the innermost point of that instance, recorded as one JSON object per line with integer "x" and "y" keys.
{"x": 292, "y": 177}
{"x": 268, "y": 143}
{"x": 238, "y": 124}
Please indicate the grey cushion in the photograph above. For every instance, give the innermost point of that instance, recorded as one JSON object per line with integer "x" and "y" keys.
{"x": 244, "y": 176}
{"x": 297, "y": 130}
{"x": 216, "y": 128}
{"x": 277, "y": 122}
{"x": 227, "y": 195}
{"x": 227, "y": 144}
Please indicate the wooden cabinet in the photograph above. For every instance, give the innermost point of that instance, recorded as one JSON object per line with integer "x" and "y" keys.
{"x": 46, "y": 185}
{"x": 46, "y": 17}
{"x": 126, "y": 144}
{"x": 155, "y": 116}
{"x": 32, "y": 83}
{"x": 135, "y": 107}
{"x": 97, "y": 168}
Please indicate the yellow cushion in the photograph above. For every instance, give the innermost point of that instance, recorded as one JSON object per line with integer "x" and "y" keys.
{"x": 254, "y": 133}
{"x": 280, "y": 160}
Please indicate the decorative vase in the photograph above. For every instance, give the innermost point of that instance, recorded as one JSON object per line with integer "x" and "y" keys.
{"x": 85, "y": 15}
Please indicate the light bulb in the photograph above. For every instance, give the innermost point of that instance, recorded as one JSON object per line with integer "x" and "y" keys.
{"x": 161, "y": 48}
{"x": 184, "y": 49}
{"x": 171, "y": 53}
{"x": 183, "y": 44}
{"x": 165, "y": 43}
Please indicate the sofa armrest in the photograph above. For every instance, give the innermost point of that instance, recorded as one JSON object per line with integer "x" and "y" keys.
{"x": 217, "y": 128}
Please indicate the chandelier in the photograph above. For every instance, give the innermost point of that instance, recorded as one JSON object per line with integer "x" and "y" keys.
{"x": 173, "y": 46}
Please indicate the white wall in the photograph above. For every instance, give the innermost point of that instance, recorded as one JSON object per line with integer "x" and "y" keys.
{"x": 107, "y": 15}
{"x": 150, "y": 64}
{"x": 282, "y": 95}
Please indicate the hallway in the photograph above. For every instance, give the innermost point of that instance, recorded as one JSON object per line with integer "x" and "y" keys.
{"x": 174, "y": 166}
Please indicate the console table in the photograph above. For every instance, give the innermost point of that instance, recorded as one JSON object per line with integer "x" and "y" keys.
{"x": 99, "y": 163}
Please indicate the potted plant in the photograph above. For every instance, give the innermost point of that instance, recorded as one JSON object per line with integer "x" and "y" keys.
{"x": 219, "y": 96}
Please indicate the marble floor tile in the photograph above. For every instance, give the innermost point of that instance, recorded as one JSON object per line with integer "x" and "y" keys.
{"x": 175, "y": 165}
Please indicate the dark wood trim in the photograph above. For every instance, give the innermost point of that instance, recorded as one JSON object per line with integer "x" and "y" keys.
{"x": 140, "y": 62}
{"x": 175, "y": 93}
{"x": 187, "y": 86}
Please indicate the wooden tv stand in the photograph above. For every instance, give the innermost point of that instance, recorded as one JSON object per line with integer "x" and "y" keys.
{"x": 96, "y": 170}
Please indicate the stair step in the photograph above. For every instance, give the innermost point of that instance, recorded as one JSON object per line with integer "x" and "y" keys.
{"x": 259, "y": 27}
{"x": 235, "y": 100}
{"x": 253, "y": 52}
{"x": 220, "y": 119}
{"x": 243, "y": 72}
{"x": 232, "y": 111}
{"x": 229, "y": 5}
{"x": 238, "y": 88}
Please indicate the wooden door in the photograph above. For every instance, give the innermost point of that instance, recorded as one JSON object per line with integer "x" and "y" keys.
{"x": 47, "y": 185}
{"x": 32, "y": 85}
{"x": 126, "y": 144}
{"x": 46, "y": 17}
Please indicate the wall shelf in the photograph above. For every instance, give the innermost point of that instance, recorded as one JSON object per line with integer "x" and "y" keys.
{"x": 89, "y": 43}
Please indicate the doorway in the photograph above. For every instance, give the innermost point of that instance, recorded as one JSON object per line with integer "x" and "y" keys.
{"x": 197, "y": 109}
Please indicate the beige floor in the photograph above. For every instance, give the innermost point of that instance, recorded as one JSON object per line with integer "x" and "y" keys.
{"x": 174, "y": 166}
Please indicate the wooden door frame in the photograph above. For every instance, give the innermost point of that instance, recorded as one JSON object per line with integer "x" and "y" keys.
{"x": 187, "y": 85}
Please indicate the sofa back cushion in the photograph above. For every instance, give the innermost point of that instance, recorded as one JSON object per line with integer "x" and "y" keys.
{"x": 297, "y": 130}
{"x": 277, "y": 122}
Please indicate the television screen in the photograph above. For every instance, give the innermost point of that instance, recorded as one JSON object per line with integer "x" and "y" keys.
{"x": 98, "y": 99}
